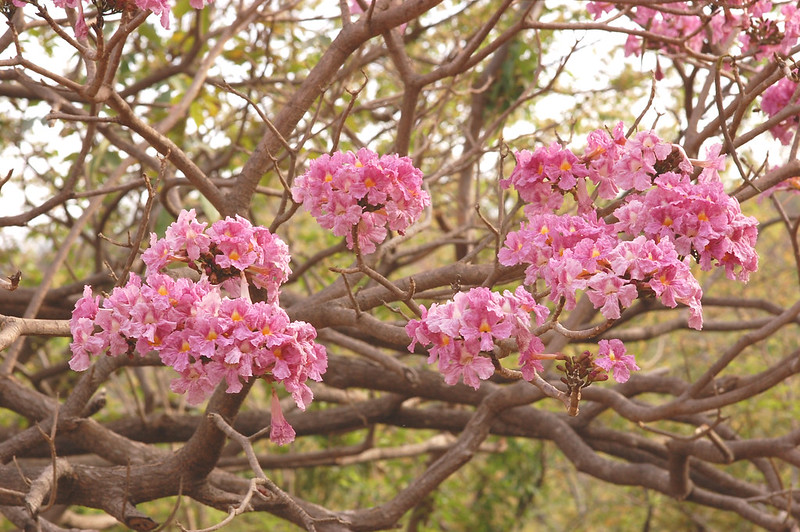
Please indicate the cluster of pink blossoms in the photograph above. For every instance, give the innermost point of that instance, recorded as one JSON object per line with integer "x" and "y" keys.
{"x": 572, "y": 254}
{"x": 699, "y": 219}
{"x": 667, "y": 220}
{"x": 610, "y": 162}
{"x": 773, "y": 101}
{"x": 159, "y": 7}
{"x": 204, "y": 334}
{"x": 756, "y": 26}
{"x": 460, "y": 330}
{"x": 362, "y": 193}
{"x": 460, "y": 333}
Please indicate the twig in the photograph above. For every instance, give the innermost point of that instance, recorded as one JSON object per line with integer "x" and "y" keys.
{"x": 405, "y": 297}
{"x": 11, "y": 282}
{"x": 261, "y": 477}
{"x": 354, "y": 95}
{"x": 145, "y": 222}
{"x": 51, "y": 444}
{"x": 646, "y": 107}
{"x": 243, "y": 507}
{"x": 175, "y": 508}
{"x": 551, "y": 391}
{"x": 585, "y": 333}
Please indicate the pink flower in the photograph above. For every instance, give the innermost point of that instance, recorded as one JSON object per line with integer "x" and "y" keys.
{"x": 176, "y": 350}
{"x": 159, "y": 7}
{"x": 158, "y": 255}
{"x": 195, "y": 383}
{"x": 597, "y": 9}
{"x": 541, "y": 177}
{"x": 609, "y": 293}
{"x": 483, "y": 320}
{"x": 774, "y": 100}
{"x": 188, "y": 234}
{"x": 281, "y": 432}
{"x": 612, "y": 357}
{"x": 713, "y": 164}
{"x": 467, "y": 365}
{"x": 84, "y": 343}
{"x": 233, "y": 243}
{"x": 529, "y": 365}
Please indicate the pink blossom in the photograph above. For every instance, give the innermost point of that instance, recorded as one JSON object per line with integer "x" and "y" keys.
{"x": 159, "y": 7}
{"x": 281, "y": 432}
{"x": 760, "y": 31}
{"x": 609, "y": 293}
{"x": 529, "y": 348}
{"x": 188, "y": 234}
{"x": 612, "y": 357}
{"x": 712, "y": 165}
{"x": 541, "y": 177}
{"x": 597, "y": 9}
{"x": 84, "y": 343}
{"x": 774, "y": 100}
{"x": 467, "y": 365}
{"x": 233, "y": 243}
{"x": 195, "y": 383}
{"x": 158, "y": 254}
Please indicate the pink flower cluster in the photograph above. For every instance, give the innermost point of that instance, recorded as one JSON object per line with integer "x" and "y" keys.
{"x": 205, "y": 335}
{"x": 699, "y": 219}
{"x": 159, "y": 7}
{"x": 666, "y": 219}
{"x": 773, "y": 101}
{"x": 754, "y": 24}
{"x": 458, "y": 331}
{"x": 572, "y": 254}
{"x": 542, "y": 177}
{"x": 227, "y": 249}
{"x": 362, "y": 193}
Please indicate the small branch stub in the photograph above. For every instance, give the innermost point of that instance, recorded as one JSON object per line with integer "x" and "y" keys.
{"x": 11, "y": 282}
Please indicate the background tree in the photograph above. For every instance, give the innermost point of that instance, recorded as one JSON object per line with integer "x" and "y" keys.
{"x": 115, "y": 125}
